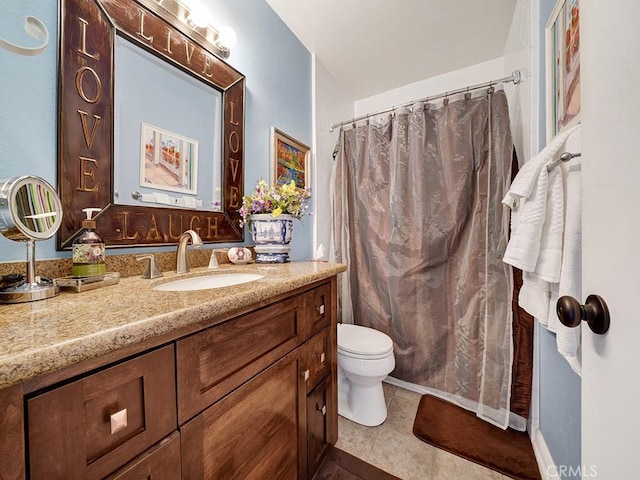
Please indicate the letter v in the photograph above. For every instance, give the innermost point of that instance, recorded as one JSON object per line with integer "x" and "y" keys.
{"x": 89, "y": 137}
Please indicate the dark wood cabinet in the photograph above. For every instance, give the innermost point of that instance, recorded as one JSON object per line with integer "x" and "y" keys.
{"x": 161, "y": 462}
{"x": 253, "y": 433}
{"x": 90, "y": 427}
{"x": 319, "y": 411}
{"x": 253, "y": 396}
{"x": 213, "y": 362}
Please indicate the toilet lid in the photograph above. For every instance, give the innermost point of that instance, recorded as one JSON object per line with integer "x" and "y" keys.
{"x": 363, "y": 341}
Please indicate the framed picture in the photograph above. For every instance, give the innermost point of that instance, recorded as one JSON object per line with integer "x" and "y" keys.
{"x": 563, "y": 67}
{"x": 290, "y": 160}
{"x": 168, "y": 161}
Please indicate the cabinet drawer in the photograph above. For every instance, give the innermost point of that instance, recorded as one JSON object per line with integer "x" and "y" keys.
{"x": 90, "y": 427}
{"x": 212, "y": 363}
{"x": 317, "y": 309}
{"x": 318, "y": 358}
{"x": 161, "y": 462}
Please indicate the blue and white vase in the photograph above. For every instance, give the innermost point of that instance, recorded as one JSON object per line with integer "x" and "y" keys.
{"x": 272, "y": 237}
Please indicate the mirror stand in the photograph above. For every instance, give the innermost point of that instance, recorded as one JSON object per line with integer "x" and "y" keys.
{"x": 32, "y": 288}
{"x": 30, "y": 210}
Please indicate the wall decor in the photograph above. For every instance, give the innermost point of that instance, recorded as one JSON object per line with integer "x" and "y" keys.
{"x": 87, "y": 161}
{"x": 562, "y": 36}
{"x": 168, "y": 161}
{"x": 290, "y": 160}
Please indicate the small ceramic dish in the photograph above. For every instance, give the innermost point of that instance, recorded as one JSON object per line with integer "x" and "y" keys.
{"x": 239, "y": 255}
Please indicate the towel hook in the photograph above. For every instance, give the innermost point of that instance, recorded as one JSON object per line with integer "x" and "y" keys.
{"x": 35, "y": 28}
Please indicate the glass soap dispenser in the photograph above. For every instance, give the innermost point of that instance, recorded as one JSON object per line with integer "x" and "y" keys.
{"x": 88, "y": 249}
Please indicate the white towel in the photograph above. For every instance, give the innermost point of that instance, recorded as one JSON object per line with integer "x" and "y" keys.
{"x": 568, "y": 339}
{"x": 536, "y": 293}
{"x": 546, "y": 238}
{"x": 550, "y": 255}
{"x": 162, "y": 198}
{"x": 527, "y": 177}
{"x": 530, "y": 203}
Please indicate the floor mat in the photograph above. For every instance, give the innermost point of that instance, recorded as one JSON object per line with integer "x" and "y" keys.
{"x": 340, "y": 465}
{"x": 460, "y": 432}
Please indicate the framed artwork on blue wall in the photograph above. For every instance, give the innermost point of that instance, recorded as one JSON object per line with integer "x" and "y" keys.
{"x": 290, "y": 160}
{"x": 562, "y": 37}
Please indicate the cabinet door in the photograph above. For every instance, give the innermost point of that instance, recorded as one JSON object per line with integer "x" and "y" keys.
{"x": 161, "y": 462}
{"x": 90, "y": 427}
{"x": 213, "y": 362}
{"x": 252, "y": 433}
{"x": 319, "y": 411}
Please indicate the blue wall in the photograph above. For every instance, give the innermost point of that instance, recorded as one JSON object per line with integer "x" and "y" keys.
{"x": 278, "y": 93}
{"x": 560, "y": 397}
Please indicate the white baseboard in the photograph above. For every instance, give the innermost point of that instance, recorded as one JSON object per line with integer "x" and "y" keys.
{"x": 543, "y": 456}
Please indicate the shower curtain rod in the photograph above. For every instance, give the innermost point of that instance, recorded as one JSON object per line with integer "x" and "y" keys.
{"x": 515, "y": 77}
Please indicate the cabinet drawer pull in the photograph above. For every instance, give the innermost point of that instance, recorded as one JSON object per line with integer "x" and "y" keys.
{"x": 118, "y": 421}
{"x": 322, "y": 357}
{"x": 305, "y": 374}
{"x": 321, "y": 309}
{"x": 322, "y": 409}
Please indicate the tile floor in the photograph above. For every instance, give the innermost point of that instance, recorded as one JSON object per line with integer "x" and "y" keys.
{"x": 393, "y": 447}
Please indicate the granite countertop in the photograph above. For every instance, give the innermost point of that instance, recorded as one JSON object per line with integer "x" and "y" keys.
{"x": 48, "y": 335}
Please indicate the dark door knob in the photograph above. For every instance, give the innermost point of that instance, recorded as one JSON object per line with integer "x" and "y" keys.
{"x": 594, "y": 311}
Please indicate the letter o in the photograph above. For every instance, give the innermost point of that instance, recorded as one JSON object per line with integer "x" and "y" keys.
{"x": 234, "y": 142}
{"x": 79, "y": 84}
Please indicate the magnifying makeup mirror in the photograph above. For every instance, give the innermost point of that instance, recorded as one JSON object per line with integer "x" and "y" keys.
{"x": 30, "y": 210}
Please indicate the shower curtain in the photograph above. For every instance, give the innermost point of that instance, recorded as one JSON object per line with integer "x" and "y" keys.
{"x": 419, "y": 222}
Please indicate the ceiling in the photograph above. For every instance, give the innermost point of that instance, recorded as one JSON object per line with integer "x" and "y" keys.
{"x": 372, "y": 46}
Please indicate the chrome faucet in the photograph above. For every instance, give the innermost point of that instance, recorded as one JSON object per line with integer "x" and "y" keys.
{"x": 182, "y": 265}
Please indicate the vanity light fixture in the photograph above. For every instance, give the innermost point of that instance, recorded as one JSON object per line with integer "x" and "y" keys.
{"x": 198, "y": 17}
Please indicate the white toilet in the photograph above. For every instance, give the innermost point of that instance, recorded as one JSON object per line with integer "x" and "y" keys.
{"x": 365, "y": 358}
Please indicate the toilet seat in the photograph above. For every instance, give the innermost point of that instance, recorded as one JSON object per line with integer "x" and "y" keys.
{"x": 363, "y": 342}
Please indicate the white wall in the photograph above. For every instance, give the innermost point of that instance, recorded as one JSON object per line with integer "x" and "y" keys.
{"x": 332, "y": 103}
{"x": 479, "y": 73}
{"x": 520, "y": 50}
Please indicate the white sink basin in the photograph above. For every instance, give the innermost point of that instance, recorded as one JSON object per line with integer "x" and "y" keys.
{"x": 205, "y": 282}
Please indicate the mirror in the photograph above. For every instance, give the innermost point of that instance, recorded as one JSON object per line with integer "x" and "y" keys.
{"x": 30, "y": 210}
{"x": 166, "y": 151}
{"x": 151, "y": 126}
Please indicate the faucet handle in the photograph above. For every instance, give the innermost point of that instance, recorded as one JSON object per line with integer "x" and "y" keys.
{"x": 213, "y": 261}
{"x": 151, "y": 270}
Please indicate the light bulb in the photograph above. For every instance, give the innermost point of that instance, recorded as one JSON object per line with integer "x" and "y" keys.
{"x": 227, "y": 38}
{"x": 199, "y": 15}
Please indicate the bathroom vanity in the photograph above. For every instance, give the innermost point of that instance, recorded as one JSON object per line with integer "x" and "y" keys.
{"x": 130, "y": 382}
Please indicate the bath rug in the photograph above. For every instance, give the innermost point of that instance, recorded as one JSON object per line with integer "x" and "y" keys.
{"x": 340, "y": 465}
{"x": 459, "y": 431}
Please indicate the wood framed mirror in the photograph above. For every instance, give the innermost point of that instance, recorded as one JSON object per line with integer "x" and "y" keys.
{"x": 89, "y": 125}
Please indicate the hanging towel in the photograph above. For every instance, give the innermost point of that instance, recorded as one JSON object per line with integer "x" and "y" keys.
{"x": 546, "y": 238}
{"x": 530, "y": 205}
{"x": 568, "y": 339}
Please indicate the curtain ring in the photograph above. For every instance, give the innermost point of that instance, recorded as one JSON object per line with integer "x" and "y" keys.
{"x": 353, "y": 123}
{"x": 445, "y": 102}
{"x": 393, "y": 112}
{"x": 367, "y": 119}
{"x": 427, "y": 106}
{"x": 490, "y": 90}
{"x": 467, "y": 95}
